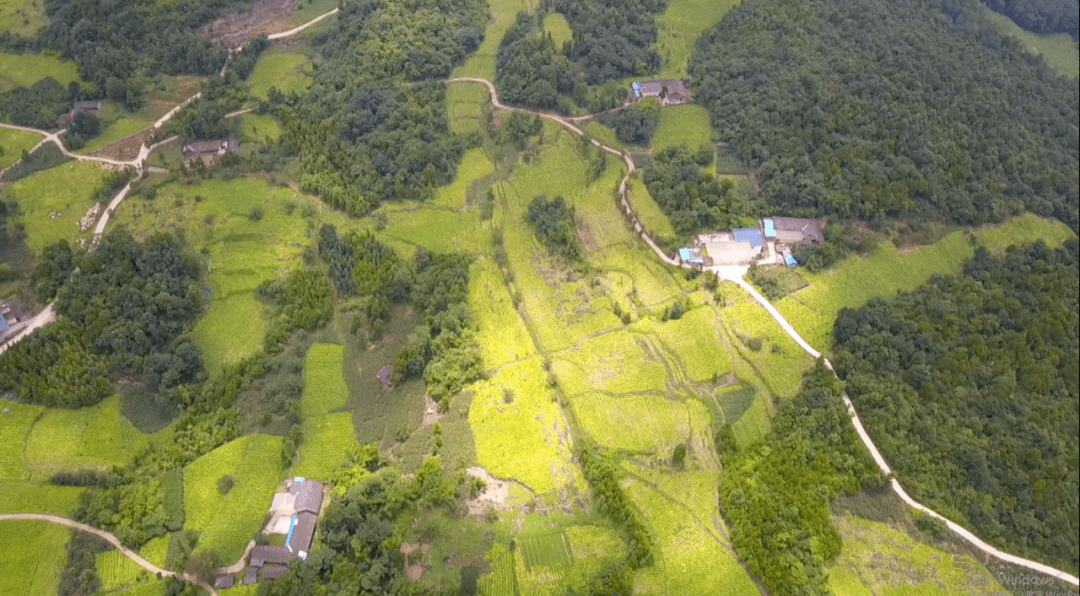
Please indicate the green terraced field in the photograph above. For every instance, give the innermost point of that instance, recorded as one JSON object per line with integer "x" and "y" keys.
{"x": 679, "y": 28}
{"x": 687, "y": 124}
{"x": 17, "y": 422}
{"x": 13, "y": 143}
{"x": 481, "y": 63}
{"x": 555, "y": 25}
{"x": 1059, "y": 51}
{"x": 501, "y": 580}
{"x": 684, "y": 545}
{"x": 52, "y": 202}
{"x": 289, "y": 71}
{"x": 649, "y": 214}
{"x": 116, "y": 570}
{"x": 240, "y": 253}
{"x": 694, "y": 492}
{"x": 228, "y": 522}
{"x": 94, "y": 437}
{"x": 150, "y": 588}
{"x": 465, "y": 103}
{"x": 614, "y": 363}
{"x": 23, "y": 70}
{"x": 259, "y": 128}
{"x": 33, "y": 563}
{"x": 501, "y": 334}
{"x": 640, "y": 423}
{"x": 327, "y": 437}
{"x": 18, "y": 496}
{"x": 855, "y": 280}
{"x": 528, "y": 439}
{"x": 879, "y": 559}
{"x": 548, "y": 550}
{"x": 695, "y": 342}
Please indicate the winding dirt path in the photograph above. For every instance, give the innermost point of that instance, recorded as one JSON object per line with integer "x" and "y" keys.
{"x": 113, "y": 540}
{"x": 735, "y": 274}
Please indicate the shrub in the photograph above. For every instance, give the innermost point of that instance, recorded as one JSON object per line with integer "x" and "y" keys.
{"x": 225, "y": 484}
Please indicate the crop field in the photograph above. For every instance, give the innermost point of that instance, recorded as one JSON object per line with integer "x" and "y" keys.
{"x": 694, "y": 491}
{"x": 596, "y": 129}
{"x": 155, "y": 550}
{"x": 23, "y": 18}
{"x": 555, "y": 25}
{"x": 693, "y": 560}
{"x": 33, "y": 563}
{"x": 686, "y": 124}
{"x": 465, "y": 103}
{"x": 679, "y": 28}
{"x": 23, "y": 70}
{"x": 1059, "y": 51}
{"x": 879, "y": 559}
{"x": 214, "y": 217}
{"x": 13, "y": 143}
{"x": 502, "y": 336}
{"x": 695, "y": 341}
{"x": 548, "y": 550}
{"x": 735, "y": 401}
{"x": 780, "y": 362}
{"x": 481, "y": 63}
{"x": 93, "y": 437}
{"x": 852, "y": 282}
{"x": 327, "y": 436}
{"x": 636, "y": 423}
{"x": 150, "y": 588}
{"x": 259, "y": 128}
{"x": 116, "y": 570}
{"x": 652, "y": 218}
{"x": 474, "y": 166}
{"x": 52, "y": 202}
{"x": 438, "y": 230}
{"x": 17, "y": 422}
{"x": 528, "y": 439}
{"x": 17, "y": 496}
{"x": 501, "y": 580}
{"x": 614, "y": 362}
{"x": 754, "y": 424}
{"x": 118, "y": 123}
{"x": 287, "y": 70}
{"x": 654, "y": 285}
{"x": 228, "y": 521}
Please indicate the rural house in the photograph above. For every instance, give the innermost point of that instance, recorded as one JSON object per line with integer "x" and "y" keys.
{"x": 294, "y": 513}
{"x": 83, "y": 107}
{"x": 384, "y": 375}
{"x": 208, "y": 151}
{"x": 668, "y": 91}
{"x": 795, "y": 230}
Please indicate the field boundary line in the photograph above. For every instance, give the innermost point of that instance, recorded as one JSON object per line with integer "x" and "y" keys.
{"x": 735, "y": 274}
{"x": 113, "y": 540}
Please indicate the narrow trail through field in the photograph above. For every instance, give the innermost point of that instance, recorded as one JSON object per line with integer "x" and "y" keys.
{"x": 736, "y": 274}
{"x": 113, "y": 540}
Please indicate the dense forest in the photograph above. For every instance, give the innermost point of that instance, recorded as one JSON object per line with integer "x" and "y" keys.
{"x": 775, "y": 494}
{"x": 969, "y": 386}
{"x": 612, "y": 39}
{"x": 1044, "y": 17}
{"x": 373, "y": 126}
{"x": 874, "y": 109}
{"x": 119, "y": 44}
{"x": 443, "y": 349}
{"x": 553, "y": 222}
{"x": 692, "y": 199}
{"x": 530, "y": 71}
{"x": 125, "y": 308}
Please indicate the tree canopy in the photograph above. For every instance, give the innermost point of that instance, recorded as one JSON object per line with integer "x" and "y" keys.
{"x": 969, "y": 386}
{"x": 873, "y": 109}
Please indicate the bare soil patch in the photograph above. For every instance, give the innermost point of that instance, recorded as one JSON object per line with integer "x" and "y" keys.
{"x": 265, "y": 18}
{"x": 494, "y": 494}
{"x": 127, "y": 148}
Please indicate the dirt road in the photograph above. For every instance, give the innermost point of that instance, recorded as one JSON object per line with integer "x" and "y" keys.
{"x": 113, "y": 540}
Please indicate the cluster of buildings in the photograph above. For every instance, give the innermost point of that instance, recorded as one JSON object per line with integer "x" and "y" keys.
{"x": 668, "y": 91}
{"x": 294, "y": 513}
{"x": 10, "y": 325}
{"x": 769, "y": 243}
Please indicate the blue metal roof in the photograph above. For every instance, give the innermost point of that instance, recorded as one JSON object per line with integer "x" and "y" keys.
{"x": 770, "y": 228}
{"x": 3, "y": 323}
{"x": 292, "y": 526}
{"x": 790, "y": 260}
{"x": 751, "y": 235}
